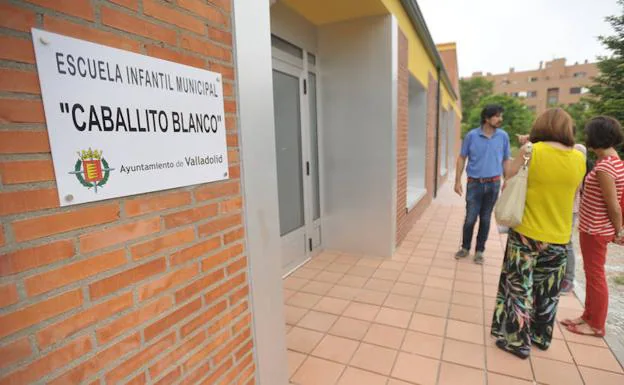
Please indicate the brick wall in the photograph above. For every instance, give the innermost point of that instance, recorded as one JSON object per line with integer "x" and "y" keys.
{"x": 402, "y": 136}
{"x": 150, "y": 289}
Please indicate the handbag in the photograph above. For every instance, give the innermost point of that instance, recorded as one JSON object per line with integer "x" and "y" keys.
{"x": 509, "y": 208}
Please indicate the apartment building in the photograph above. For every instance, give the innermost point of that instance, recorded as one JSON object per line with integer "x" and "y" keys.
{"x": 553, "y": 83}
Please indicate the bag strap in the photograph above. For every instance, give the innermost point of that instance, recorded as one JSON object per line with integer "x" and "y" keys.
{"x": 528, "y": 153}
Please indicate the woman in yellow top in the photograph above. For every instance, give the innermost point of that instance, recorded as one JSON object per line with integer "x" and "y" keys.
{"x": 535, "y": 257}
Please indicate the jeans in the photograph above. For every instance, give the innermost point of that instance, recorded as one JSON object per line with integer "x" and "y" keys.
{"x": 480, "y": 200}
{"x": 571, "y": 266}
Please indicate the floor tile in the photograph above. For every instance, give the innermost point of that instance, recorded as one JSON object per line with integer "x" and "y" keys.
{"x": 468, "y": 276}
{"x": 370, "y": 262}
{"x": 468, "y": 287}
{"x": 595, "y": 357}
{"x": 405, "y": 369}
{"x": 336, "y": 349}
{"x": 371, "y": 297}
{"x": 465, "y": 331}
{"x": 555, "y": 372}
{"x": 499, "y": 361}
{"x": 326, "y": 256}
{"x": 464, "y": 353}
{"x": 451, "y": 374}
{"x": 499, "y": 379}
{"x": 387, "y": 336}
{"x": 401, "y": 302}
{"x": 413, "y": 278}
{"x": 379, "y": 285}
{"x": 600, "y": 377}
{"x": 442, "y": 273}
{"x": 374, "y": 358}
{"x": 288, "y": 293}
{"x": 362, "y": 271}
{"x": 388, "y": 275}
{"x": 315, "y": 371}
{"x": 392, "y": 265}
{"x": 435, "y": 294}
{"x": 331, "y": 305}
{"x": 408, "y": 289}
{"x": 581, "y": 339}
{"x": 328, "y": 277}
{"x": 361, "y": 311}
{"x": 491, "y": 279}
{"x": 343, "y": 292}
{"x": 316, "y": 287}
{"x": 318, "y": 321}
{"x": 305, "y": 273}
{"x": 422, "y": 264}
{"x": 302, "y": 340}
{"x": 338, "y": 268}
{"x": 466, "y": 314}
{"x": 558, "y": 351}
{"x": 316, "y": 263}
{"x": 350, "y": 328}
{"x": 466, "y": 299}
{"x": 304, "y": 300}
{"x": 348, "y": 259}
{"x": 294, "y": 314}
{"x": 424, "y": 344}
{"x": 294, "y": 283}
{"x": 352, "y": 281}
{"x": 393, "y": 317}
{"x": 435, "y": 308}
{"x": 428, "y": 324}
{"x": 439, "y": 283}
{"x": 295, "y": 360}
{"x": 354, "y": 376}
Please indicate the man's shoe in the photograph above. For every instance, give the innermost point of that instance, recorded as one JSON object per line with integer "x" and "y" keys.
{"x": 478, "y": 258}
{"x": 462, "y": 253}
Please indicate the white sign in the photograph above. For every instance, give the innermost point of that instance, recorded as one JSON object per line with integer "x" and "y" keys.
{"x": 121, "y": 123}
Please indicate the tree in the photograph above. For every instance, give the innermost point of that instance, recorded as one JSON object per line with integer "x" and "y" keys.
{"x": 580, "y": 113}
{"x": 607, "y": 94}
{"x": 517, "y": 118}
{"x": 472, "y": 91}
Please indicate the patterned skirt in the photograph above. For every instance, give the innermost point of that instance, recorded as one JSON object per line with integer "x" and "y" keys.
{"x": 528, "y": 294}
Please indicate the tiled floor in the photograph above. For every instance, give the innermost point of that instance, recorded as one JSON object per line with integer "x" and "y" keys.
{"x": 421, "y": 318}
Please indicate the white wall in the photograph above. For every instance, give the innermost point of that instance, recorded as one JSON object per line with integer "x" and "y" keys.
{"x": 358, "y": 135}
{"x": 292, "y": 27}
{"x": 417, "y": 142}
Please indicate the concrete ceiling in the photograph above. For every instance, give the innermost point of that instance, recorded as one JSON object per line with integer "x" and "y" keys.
{"x": 320, "y": 12}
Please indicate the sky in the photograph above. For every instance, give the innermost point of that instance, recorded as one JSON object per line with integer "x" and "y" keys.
{"x": 495, "y": 35}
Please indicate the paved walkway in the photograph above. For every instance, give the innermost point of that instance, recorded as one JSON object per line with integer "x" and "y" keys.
{"x": 422, "y": 318}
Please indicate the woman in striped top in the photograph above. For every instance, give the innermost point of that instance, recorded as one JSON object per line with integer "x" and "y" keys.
{"x": 600, "y": 221}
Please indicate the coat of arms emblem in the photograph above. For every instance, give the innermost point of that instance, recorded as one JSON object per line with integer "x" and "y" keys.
{"x": 91, "y": 169}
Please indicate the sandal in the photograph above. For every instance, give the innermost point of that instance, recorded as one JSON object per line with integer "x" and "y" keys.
{"x": 569, "y": 321}
{"x": 594, "y": 333}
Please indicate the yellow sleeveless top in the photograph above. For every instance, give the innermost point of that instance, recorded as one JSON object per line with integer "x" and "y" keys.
{"x": 554, "y": 176}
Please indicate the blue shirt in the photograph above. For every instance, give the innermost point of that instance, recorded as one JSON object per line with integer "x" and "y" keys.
{"x": 485, "y": 155}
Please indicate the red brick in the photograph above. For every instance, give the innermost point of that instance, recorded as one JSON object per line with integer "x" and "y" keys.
{"x": 17, "y": 18}
{"x": 227, "y": 319}
{"x": 220, "y": 36}
{"x": 198, "y": 286}
{"x": 130, "y": 4}
{"x": 218, "y": 225}
{"x": 140, "y": 359}
{"x": 16, "y": 49}
{"x": 203, "y": 319}
{"x": 169, "y": 360}
{"x": 195, "y": 251}
{"x": 239, "y": 295}
{"x": 233, "y": 156}
{"x": 2, "y": 242}
{"x": 99, "y": 361}
{"x": 167, "y": 54}
{"x": 151, "y": 204}
{"x": 119, "y": 234}
{"x": 74, "y": 272}
{"x": 128, "y": 23}
{"x": 191, "y": 215}
{"x": 14, "y": 352}
{"x": 160, "y": 326}
{"x": 8, "y": 295}
{"x": 237, "y": 266}
{"x": 197, "y": 374}
{"x": 68, "y": 327}
{"x": 26, "y": 259}
{"x": 243, "y": 323}
{"x": 50, "y": 362}
{"x": 78, "y": 31}
{"x": 205, "y": 48}
{"x": 167, "y": 14}
{"x": 230, "y": 123}
{"x": 226, "y": 71}
{"x": 167, "y": 282}
{"x": 12, "y": 80}
{"x": 21, "y": 111}
{"x": 230, "y": 346}
{"x": 225, "y": 5}
{"x": 26, "y": 171}
{"x": 231, "y": 205}
{"x": 165, "y": 242}
{"x": 225, "y": 288}
{"x": 206, "y": 351}
{"x": 217, "y": 190}
{"x": 221, "y": 257}
{"x": 39, "y": 227}
{"x": 41, "y": 311}
{"x": 78, "y": 8}
{"x": 146, "y": 313}
{"x": 138, "y": 380}
{"x": 15, "y": 202}
{"x": 171, "y": 377}
{"x": 233, "y": 236}
{"x": 24, "y": 142}
{"x": 206, "y": 11}
{"x": 126, "y": 278}
{"x": 230, "y": 106}
{"x": 212, "y": 379}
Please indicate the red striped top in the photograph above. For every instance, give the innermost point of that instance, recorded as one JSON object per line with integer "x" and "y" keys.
{"x": 594, "y": 217}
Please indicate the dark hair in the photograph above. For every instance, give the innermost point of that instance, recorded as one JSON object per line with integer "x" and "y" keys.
{"x": 553, "y": 125}
{"x": 603, "y": 132}
{"x": 491, "y": 110}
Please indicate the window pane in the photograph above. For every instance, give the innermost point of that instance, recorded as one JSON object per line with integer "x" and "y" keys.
{"x": 316, "y": 199}
{"x": 287, "y": 47}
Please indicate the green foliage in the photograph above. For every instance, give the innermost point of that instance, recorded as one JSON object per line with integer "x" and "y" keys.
{"x": 472, "y": 91}
{"x": 580, "y": 113}
{"x": 517, "y": 118}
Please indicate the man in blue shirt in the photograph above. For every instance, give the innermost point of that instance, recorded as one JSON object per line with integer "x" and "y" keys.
{"x": 486, "y": 149}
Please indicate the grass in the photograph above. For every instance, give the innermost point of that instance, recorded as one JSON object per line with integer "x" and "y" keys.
{"x": 619, "y": 279}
